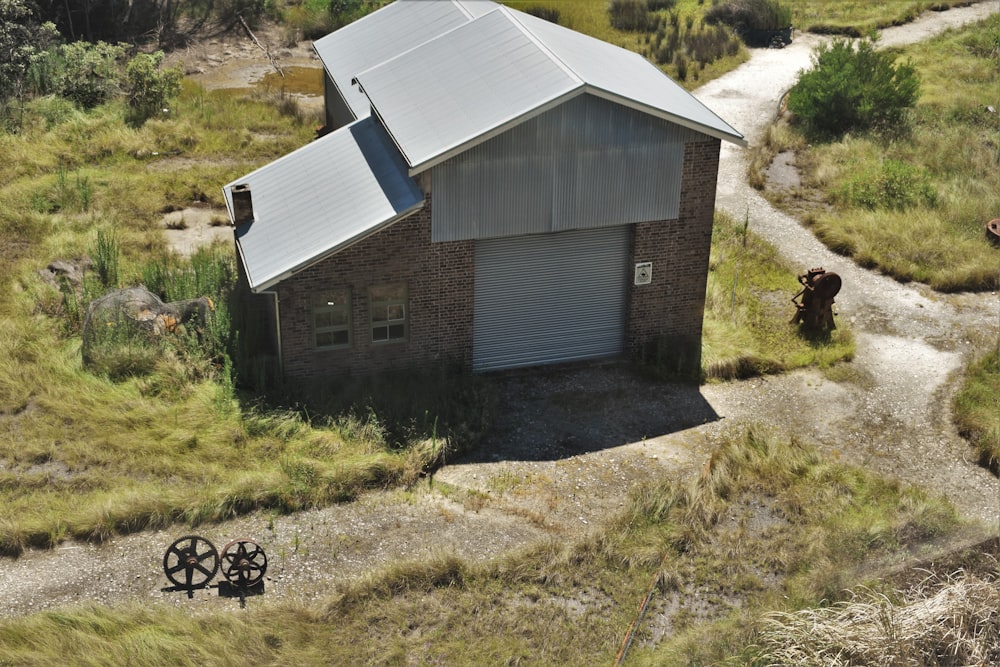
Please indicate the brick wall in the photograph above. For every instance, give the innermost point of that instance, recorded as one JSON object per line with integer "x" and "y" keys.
{"x": 672, "y": 306}
{"x": 439, "y": 278}
{"x": 440, "y": 281}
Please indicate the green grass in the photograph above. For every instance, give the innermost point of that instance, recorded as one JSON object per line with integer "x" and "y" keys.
{"x": 914, "y": 204}
{"x": 748, "y": 310}
{"x": 768, "y": 525}
{"x": 977, "y": 408}
{"x": 159, "y": 436}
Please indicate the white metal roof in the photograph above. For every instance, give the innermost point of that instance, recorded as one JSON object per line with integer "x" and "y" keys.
{"x": 385, "y": 33}
{"x": 475, "y": 81}
{"x": 320, "y": 199}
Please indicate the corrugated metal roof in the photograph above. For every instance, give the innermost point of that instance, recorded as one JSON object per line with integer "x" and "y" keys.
{"x": 385, "y": 33}
{"x": 477, "y": 78}
{"x": 321, "y": 198}
{"x": 626, "y": 77}
{"x": 475, "y": 81}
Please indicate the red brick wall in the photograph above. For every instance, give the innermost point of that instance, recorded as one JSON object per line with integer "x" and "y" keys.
{"x": 673, "y": 304}
{"x": 439, "y": 278}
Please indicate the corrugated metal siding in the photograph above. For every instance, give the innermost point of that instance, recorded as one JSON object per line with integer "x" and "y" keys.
{"x": 550, "y": 298}
{"x": 338, "y": 112}
{"x": 585, "y": 164}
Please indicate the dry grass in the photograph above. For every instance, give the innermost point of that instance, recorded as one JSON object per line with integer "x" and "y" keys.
{"x": 946, "y": 620}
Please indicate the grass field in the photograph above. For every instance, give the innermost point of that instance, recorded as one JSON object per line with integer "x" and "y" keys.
{"x": 86, "y": 456}
{"x": 913, "y": 204}
{"x": 858, "y": 18}
{"x": 748, "y": 308}
{"x": 712, "y": 567}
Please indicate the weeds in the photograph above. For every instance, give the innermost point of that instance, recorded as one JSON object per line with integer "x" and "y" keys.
{"x": 977, "y": 408}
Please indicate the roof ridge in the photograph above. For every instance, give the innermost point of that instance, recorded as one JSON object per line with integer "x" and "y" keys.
{"x": 526, "y": 31}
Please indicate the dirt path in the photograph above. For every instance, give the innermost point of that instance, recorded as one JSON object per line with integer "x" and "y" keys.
{"x": 910, "y": 339}
{"x": 571, "y": 446}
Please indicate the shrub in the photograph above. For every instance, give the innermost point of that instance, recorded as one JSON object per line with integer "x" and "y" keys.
{"x": 894, "y": 185}
{"x": 148, "y": 88}
{"x": 88, "y": 74}
{"x": 853, "y": 87}
{"x": 550, "y": 14}
{"x": 630, "y": 14}
{"x": 746, "y": 15}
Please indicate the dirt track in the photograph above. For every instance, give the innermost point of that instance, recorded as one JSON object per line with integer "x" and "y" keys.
{"x": 571, "y": 445}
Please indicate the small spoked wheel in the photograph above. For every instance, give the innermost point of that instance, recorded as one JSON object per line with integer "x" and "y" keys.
{"x": 243, "y": 563}
{"x": 191, "y": 562}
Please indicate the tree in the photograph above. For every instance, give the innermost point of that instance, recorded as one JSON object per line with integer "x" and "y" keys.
{"x": 853, "y": 87}
{"x": 23, "y": 39}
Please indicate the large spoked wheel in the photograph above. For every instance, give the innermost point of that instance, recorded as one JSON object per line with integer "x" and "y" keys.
{"x": 191, "y": 562}
{"x": 243, "y": 563}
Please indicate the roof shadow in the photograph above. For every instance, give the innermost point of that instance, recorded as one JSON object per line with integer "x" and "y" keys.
{"x": 551, "y": 414}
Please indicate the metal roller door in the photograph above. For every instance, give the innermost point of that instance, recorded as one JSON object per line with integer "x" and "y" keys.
{"x": 548, "y": 298}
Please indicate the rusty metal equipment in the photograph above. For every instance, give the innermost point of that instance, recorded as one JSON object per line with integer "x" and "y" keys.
{"x": 243, "y": 563}
{"x": 191, "y": 562}
{"x": 815, "y": 310}
{"x": 993, "y": 231}
{"x": 195, "y": 558}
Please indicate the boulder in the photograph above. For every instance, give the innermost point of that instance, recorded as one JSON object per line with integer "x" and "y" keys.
{"x": 125, "y": 314}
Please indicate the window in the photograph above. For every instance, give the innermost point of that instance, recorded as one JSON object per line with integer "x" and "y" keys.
{"x": 332, "y": 319}
{"x": 388, "y": 312}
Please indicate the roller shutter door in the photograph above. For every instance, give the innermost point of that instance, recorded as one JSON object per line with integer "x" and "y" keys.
{"x": 549, "y": 298}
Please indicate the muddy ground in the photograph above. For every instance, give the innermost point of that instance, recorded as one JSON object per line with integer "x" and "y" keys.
{"x": 571, "y": 443}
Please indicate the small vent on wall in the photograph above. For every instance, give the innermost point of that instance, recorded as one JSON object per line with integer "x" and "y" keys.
{"x": 643, "y": 273}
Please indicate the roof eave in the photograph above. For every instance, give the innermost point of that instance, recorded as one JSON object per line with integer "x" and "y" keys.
{"x": 329, "y": 252}
{"x": 733, "y": 137}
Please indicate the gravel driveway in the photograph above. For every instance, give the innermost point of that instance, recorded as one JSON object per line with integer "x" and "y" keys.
{"x": 572, "y": 444}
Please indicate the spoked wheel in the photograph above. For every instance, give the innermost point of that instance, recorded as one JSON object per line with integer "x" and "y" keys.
{"x": 191, "y": 562}
{"x": 243, "y": 563}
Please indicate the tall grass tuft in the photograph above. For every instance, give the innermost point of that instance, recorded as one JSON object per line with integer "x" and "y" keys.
{"x": 107, "y": 252}
{"x": 976, "y": 408}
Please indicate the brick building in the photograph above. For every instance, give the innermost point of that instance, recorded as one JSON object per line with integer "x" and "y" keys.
{"x": 495, "y": 190}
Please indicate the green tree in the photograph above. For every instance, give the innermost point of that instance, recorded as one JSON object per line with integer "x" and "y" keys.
{"x": 148, "y": 88}
{"x": 88, "y": 74}
{"x": 853, "y": 87}
{"x": 23, "y": 39}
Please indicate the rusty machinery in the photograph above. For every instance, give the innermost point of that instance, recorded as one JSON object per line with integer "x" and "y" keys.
{"x": 191, "y": 562}
{"x": 815, "y": 310}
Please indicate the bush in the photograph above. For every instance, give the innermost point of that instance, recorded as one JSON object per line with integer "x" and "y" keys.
{"x": 550, "y": 14}
{"x": 148, "y": 88}
{"x": 746, "y": 15}
{"x": 630, "y": 14}
{"x": 853, "y": 87}
{"x": 88, "y": 74}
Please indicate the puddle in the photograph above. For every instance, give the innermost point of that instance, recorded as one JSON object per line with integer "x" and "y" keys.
{"x": 298, "y": 80}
